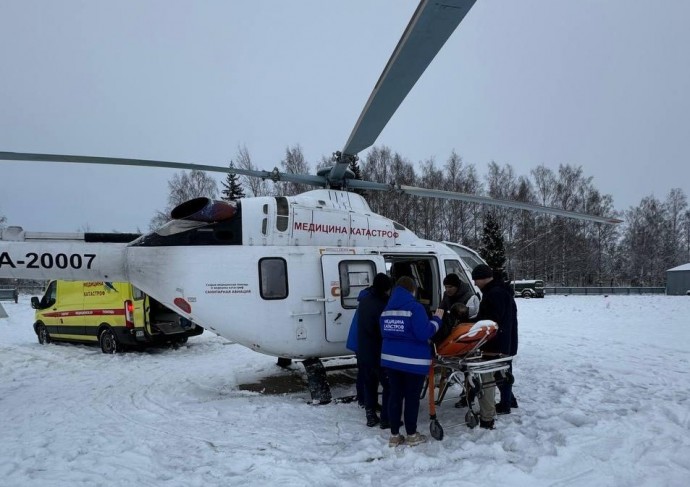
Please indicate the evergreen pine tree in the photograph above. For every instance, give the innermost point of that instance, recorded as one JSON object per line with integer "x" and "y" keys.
{"x": 232, "y": 188}
{"x": 492, "y": 248}
{"x": 354, "y": 167}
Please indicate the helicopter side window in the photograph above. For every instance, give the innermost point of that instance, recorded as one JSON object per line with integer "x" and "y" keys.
{"x": 282, "y": 213}
{"x": 264, "y": 222}
{"x": 355, "y": 275}
{"x": 273, "y": 278}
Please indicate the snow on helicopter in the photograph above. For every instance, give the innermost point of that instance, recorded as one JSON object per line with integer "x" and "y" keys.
{"x": 279, "y": 275}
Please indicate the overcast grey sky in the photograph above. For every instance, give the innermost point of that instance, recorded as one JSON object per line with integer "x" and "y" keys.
{"x": 597, "y": 83}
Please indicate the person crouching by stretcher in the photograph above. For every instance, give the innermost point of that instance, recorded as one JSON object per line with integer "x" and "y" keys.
{"x": 458, "y": 291}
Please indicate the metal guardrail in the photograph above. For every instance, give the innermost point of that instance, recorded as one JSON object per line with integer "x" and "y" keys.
{"x": 9, "y": 294}
{"x": 598, "y": 291}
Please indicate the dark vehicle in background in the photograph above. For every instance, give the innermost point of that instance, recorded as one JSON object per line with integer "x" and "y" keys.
{"x": 529, "y": 288}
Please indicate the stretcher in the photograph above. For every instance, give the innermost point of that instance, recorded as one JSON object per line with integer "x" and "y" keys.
{"x": 458, "y": 360}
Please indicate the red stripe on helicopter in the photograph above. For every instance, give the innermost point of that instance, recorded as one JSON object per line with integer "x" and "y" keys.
{"x": 90, "y": 312}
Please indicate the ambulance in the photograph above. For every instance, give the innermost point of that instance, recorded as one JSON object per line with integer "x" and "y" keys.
{"x": 113, "y": 314}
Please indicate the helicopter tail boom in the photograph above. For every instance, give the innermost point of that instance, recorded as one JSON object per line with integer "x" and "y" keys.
{"x": 60, "y": 256}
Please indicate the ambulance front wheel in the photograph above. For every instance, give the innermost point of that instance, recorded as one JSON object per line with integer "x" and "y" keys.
{"x": 42, "y": 334}
{"x": 108, "y": 341}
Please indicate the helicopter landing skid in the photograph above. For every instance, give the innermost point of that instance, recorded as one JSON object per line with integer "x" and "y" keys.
{"x": 319, "y": 388}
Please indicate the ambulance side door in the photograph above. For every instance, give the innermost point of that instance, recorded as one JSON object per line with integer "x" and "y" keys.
{"x": 70, "y": 298}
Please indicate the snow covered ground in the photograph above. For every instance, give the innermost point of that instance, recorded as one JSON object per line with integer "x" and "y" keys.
{"x": 603, "y": 385}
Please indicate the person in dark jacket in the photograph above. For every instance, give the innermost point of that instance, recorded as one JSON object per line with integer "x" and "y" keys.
{"x": 497, "y": 305}
{"x": 369, "y": 340}
{"x": 406, "y": 354}
{"x": 456, "y": 291}
{"x": 351, "y": 344}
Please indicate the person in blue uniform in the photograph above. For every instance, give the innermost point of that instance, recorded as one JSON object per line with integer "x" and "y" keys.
{"x": 406, "y": 356}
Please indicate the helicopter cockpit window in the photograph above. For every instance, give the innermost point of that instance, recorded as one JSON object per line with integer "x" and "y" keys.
{"x": 454, "y": 267}
{"x": 273, "y": 278}
{"x": 355, "y": 275}
{"x": 282, "y": 213}
{"x": 179, "y": 226}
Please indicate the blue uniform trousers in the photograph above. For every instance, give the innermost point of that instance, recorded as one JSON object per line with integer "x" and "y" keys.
{"x": 404, "y": 388}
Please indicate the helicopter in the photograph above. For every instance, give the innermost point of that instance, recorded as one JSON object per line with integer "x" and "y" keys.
{"x": 279, "y": 275}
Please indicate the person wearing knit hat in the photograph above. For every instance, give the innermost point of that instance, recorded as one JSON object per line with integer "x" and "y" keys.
{"x": 456, "y": 291}
{"x": 406, "y": 357}
{"x": 382, "y": 283}
{"x": 497, "y": 305}
{"x": 371, "y": 305}
{"x": 482, "y": 271}
{"x": 452, "y": 280}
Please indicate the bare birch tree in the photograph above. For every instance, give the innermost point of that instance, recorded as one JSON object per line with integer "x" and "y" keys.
{"x": 254, "y": 186}
{"x": 184, "y": 186}
{"x": 293, "y": 163}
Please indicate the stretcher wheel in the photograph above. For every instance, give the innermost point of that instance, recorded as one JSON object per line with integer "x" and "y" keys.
{"x": 436, "y": 430}
{"x": 471, "y": 419}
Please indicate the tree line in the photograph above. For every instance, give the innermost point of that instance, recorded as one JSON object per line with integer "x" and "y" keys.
{"x": 654, "y": 237}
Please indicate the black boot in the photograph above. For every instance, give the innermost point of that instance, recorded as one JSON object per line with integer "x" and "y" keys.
{"x": 487, "y": 425}
{"x": 372, "y": 418}
{"x": 502, "y": 409}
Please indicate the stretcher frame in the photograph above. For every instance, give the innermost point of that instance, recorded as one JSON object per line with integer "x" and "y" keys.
{"x": 466, "y": 369}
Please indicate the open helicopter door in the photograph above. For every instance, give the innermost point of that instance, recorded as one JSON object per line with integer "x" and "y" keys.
{"x": 344, "y": 277}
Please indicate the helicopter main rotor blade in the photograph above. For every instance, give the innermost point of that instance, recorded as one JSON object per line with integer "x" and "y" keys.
{"x": 430, "y": 27}
{"x": 472, "y": 198}
{"x": 274, "y": 175}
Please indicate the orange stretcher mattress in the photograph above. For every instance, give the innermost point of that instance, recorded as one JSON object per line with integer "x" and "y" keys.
{"x": 466, "y": 337}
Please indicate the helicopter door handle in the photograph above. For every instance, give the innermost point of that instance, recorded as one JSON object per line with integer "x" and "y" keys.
{"x": 337, "y": 316}
{"x": 319, "y": 300}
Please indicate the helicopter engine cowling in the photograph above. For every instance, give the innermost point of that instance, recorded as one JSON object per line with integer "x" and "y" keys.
{"x": 204, "y": 210}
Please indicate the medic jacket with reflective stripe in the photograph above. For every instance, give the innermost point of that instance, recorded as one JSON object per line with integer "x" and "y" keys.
{"x": 406, "y": 331}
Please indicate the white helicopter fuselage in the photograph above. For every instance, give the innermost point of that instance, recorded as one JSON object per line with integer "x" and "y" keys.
{"x": 281, "y": 276}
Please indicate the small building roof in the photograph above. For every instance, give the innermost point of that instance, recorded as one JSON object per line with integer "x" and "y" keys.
{"x": 684, "y": 267}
